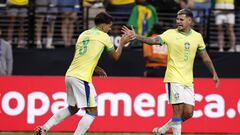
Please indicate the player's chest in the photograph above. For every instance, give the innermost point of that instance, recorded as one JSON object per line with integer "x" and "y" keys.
{"x": 183, "y": 43}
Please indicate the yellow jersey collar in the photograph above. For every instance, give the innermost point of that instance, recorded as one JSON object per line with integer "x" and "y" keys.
{"x": 186, "y": 34}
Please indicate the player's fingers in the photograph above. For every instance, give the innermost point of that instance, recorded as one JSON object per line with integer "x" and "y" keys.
{"x": 124, "y": 35}
{"x": 125, "y": 28}
{"x": 128, "y": 36}
{"x": 132, "y": 37}
{"x": 104, "y": 76}
{"x": 132, "y": 27}
{"x": 217, "y": 83}
{"x": 124, "y": 31}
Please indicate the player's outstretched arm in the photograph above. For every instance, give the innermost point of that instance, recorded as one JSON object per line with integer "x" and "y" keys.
{"x": 115, "y": 54}
{"x": 208, "y": 62}
{"x": 131, "y": 33}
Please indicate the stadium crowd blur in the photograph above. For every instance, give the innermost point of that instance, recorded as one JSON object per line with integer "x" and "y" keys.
{"x": 19, "y": 26}
{"x": 52, "y": 24}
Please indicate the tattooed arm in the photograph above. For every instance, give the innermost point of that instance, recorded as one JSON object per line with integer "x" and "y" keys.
{"x": 148, "y": 40}
{"x": 131, "y": 33}
{"x": 208, "y": 62}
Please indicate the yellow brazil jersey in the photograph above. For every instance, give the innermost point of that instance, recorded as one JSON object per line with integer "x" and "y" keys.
{"x": 89, "y": 47}
{"x": 224, "y": 4}
{"x": 18, "y": 2}
{"x": 225, "y": 1}
{"x": 182, "y": 50}
{"x": 121, "y": 2}
{"x": 200, "y": 1}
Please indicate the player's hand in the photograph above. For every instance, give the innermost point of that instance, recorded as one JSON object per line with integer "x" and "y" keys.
{"x": 125, "y": 39}
{"x": 131, "y": 33}
{"x": 99, "y": 71}
{"x": 216, "y": 80}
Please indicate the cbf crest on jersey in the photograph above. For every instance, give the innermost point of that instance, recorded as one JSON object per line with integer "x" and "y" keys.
{"x": 186, "y": 51}
{"x": 186, "y": 45}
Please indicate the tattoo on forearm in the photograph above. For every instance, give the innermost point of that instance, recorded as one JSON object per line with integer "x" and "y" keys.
{"x": 147, "y": 40}
{"x": 210, "y": 66}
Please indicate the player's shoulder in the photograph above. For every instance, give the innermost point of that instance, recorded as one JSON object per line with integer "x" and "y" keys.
{"x": 171, "y": 30}
{"x": 94, "y": 33}
{"x": 194, "y": 32}
{"x": 88, "y": 32}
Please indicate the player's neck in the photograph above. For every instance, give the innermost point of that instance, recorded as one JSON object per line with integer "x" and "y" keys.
{"x": 185, "y": 31}
{"x": 99, "y": 27}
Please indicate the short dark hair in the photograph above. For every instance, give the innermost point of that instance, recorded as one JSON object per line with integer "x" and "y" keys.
{"x": 186, "y": 12}
{"x": 103, "y": 17}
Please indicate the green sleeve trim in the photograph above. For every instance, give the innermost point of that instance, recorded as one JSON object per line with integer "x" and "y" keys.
{"x": 160, "y": 40}
{"x": 110, "y": 49}
{"x": 201, "y": 50}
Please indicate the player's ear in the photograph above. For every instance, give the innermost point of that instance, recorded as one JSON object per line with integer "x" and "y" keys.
{"x": 190, "y": 20}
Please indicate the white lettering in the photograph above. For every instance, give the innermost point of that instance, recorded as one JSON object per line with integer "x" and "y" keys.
{"x": 162, "y": 101}
{"x": 32, "y": 110}
{"x": 144, "y": 105}
{"x": 116, "y": 41}
{"x": 57, "y": 105}
{"x": 214, "y": 110}
{"x": 114, "y": 102}
{"x": 144, "y": 100}
{"x": 198, "y": 113}
{"x": 20, "y": 103}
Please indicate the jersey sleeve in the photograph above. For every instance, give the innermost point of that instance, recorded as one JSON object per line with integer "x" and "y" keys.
{"x": 159, "y": 39}
{"x": 162, "y": 38}
{"x": 108, "y": 44}
{"x": 201, "y": 45}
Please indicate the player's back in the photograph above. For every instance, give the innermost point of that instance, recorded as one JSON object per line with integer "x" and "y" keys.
{"x": 89, "y": 48}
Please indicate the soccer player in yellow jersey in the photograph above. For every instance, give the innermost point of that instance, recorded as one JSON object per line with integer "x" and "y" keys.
{"x": 183, "y": 44}
{"x": 80, "y": 90}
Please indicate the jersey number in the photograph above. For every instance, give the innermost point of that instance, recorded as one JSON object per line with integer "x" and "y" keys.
{"x": 83, "y": 47}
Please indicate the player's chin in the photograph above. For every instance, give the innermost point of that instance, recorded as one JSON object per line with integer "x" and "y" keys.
{"x": 180, "y": 28}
